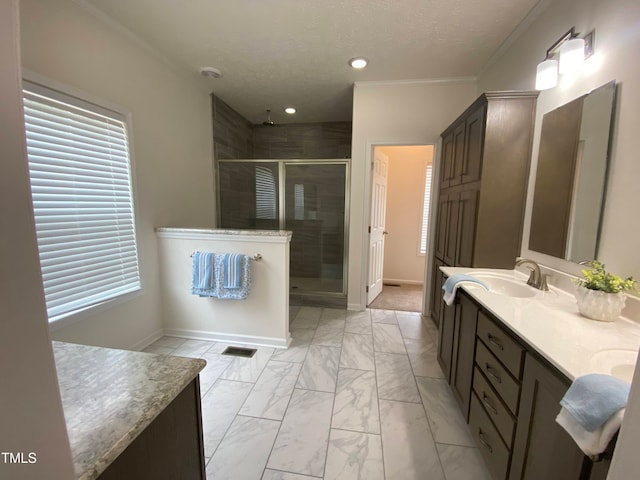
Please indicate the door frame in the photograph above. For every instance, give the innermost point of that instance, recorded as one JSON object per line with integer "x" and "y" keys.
{"x": 435, "y": 188}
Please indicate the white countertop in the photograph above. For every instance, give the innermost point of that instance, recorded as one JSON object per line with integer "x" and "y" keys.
{"x": 551, "y": 325}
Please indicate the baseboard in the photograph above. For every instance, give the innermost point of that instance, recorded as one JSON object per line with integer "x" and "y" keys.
{"x": 357, "y": 307}
{"x": 402, "y": 282}
{"x": 145, "y": 342}
{"x": 252, "y": 340}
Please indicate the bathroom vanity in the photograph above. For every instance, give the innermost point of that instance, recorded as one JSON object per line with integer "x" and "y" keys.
{"x": 131, "y": 415}
{"x": 509, "y": 355}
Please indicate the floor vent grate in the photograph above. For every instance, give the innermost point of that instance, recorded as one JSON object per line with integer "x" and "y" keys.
{"x": 240, "y": 352}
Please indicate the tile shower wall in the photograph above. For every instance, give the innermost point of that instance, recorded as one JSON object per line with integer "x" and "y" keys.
{"x": 232, "y": 133}
{"x": 302, "y": 141}
{"x": 235, "y": 138}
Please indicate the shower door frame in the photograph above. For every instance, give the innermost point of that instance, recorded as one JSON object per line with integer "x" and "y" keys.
{"x": 282, "y": 209}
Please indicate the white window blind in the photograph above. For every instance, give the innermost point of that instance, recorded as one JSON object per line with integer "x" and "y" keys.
{"x": 424, "y": 232}
{"x": 265, "y": 193}
{"x": 82, "y": 200}
{"x": 298, "y": 201}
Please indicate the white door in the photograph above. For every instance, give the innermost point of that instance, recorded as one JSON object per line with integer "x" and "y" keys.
{"x": 380, "y": 169}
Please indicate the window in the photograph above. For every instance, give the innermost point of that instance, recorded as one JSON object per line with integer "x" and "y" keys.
{"x": 80, "y": 175}
{"x": 424, "y": 232}
{"x": 265, "y": 193}
{"x": 298, "y": 201}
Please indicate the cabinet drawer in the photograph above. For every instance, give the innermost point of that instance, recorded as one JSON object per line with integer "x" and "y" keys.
{"x": 495, "y": 453}
{"x": 505, "y": 348}
{"x": 498, "y": 376}
{"x": 494, "y": 408}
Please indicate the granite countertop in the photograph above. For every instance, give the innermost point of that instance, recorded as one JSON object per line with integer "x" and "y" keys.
{"x": 223, "y": 231}
{"x": 110, "y": 396}
{"x": 551, "y": 324}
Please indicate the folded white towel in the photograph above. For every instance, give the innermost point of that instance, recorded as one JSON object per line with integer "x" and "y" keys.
{"x": 591, "y": 443}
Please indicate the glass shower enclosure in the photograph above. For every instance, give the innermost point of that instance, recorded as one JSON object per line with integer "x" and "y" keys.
{"x": 308, "y": 197}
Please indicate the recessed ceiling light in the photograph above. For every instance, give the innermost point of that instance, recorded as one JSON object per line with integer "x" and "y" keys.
{"x": 210, "y": 72}
{"x": 290, "y": 110}
{"x": 358, "y": 62}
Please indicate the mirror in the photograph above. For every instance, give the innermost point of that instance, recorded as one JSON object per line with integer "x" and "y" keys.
{"x": 571, "y": 176}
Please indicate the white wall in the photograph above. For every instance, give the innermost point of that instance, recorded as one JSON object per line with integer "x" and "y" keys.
{"x": 260, "y": 319}
{"x": 402, "y": 113}
{"x": 617, "y": 43}
{"x": 405, "y": 195}
{"x": 31, "y": 416}
{"x": 171, "y": 140}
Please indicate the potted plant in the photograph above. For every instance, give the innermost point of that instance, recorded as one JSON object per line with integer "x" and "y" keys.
{"x": 601, "y": 295}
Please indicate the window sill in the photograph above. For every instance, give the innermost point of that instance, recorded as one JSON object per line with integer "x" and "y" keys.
{"x": 87, "y": 312}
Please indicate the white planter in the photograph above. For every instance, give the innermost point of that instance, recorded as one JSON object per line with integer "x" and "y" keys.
{"x": 597, "y": 305}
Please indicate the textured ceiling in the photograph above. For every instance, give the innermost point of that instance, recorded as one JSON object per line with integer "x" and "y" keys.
{"x": 275, "y": 53}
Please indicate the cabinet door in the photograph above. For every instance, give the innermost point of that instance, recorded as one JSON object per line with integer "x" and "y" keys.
{"x": 466, "y": 231}
{"x": 445, "y": 340}
{"x": 473, "y": 146}
{"x": 464, "y": 351}
{"x": 437, "y": 279}
{"x": 447, "y": 160}
{"x": 458, "y": 154}
{"x": 441, "y": 226}
{"x": 542, "y": 449}
{"x": 451, "y": 240}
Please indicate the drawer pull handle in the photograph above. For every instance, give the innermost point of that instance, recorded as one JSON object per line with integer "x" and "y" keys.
{"x": 493, "y": 373}
{"x": 483, "y": 441}
{"x": 487, "y": 404}
{"x": 495, "y": 342}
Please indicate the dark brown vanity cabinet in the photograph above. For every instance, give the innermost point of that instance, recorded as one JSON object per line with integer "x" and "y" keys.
{"x": 446, "y": 340}
{"x": 456, "y": 347}
{"x": 542, "y": 449}
{"x": 510, "y": 398}
{"x": 437, "y": 279}
{"x": 466, "y": 319}
{"x": 170, "y": 447}
{"x": 483, "y": 182}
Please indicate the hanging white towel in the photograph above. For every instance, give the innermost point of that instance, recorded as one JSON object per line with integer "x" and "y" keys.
{"x": 591, "y": 443}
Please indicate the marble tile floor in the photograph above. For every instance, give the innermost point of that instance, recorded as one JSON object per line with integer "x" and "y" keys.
{"x": 358, "y": 395}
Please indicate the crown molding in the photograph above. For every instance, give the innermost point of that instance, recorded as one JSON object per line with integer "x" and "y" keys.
{"x": 418, "y": 81}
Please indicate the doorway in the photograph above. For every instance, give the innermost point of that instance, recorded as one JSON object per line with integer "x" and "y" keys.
{"x": 401, "y": 185}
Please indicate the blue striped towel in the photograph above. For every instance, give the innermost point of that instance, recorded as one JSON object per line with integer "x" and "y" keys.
{"x": 203, "y": 276}
{"x": 232, "y": 270}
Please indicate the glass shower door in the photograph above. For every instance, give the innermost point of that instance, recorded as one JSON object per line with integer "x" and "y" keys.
{"x": 249, "y": 195}
{"x": 314, "y": 205}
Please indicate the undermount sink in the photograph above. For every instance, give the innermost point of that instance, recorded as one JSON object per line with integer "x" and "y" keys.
{"x": 617, "y": 362}
{"x": 504, "y": 284}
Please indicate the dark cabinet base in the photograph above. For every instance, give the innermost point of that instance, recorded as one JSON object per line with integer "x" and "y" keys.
{"x": 170, "y": 448}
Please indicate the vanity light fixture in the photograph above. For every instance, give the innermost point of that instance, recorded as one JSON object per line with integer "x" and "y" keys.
{"x": 358, "y": 63}
{"x": 290, "y": 110}
{"x": 571, "y": 55}
{"x": 547, "y": 74}
{"x": 571, "y": 51}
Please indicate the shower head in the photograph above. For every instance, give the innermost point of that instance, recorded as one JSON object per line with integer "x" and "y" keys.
{"x": 268, "y": 120}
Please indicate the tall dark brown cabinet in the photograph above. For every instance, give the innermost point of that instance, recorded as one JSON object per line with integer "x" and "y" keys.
{"x": 483, "y": 184}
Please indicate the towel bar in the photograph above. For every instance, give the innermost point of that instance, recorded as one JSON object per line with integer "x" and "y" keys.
{"x": 257, "y": 257}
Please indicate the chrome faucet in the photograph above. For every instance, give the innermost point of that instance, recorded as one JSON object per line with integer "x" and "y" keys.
{"x": 537, "y": 279}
